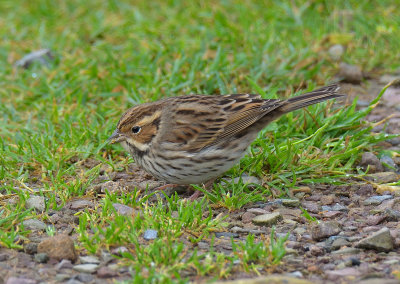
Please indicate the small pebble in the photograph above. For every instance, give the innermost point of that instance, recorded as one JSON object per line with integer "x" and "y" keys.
{"x": 290, "y": 202}
{"x": 226, "y": 235}
{"x": 392, "y": 215}
{"x": 150, "y": 234}
{"x": 84, "y": 277}
{"x": 43, "y": 56}
{"x": 30, "y": 248}
{"x": 86, "y": 268}
{"x": 377, "y": 199}
{"x": 296, "y": 274}
{"x": 324, "y": 230}
{"x": 61, "y": 277}
{"x": 4, "y": 256}
{"x": 267, "y": 219}
{"x": 89, "y": 259}
{"x": 339, "y": 207}
{"x": 34, "y": 225}
{"x": 106, "y": 272}
{"x": 64, "y": 264}
{"x": 41, "y": 257}
{"x": 370, "y": 160}
{"x": 247, "y": 217}
{"x": 336, "y": 51}
{"x": 119, "y": 250}
{"x": 350, "y": 73}
{"x": 123, "y": 209}
{"x": 391, "y": 261}
{"x": 326, "y": 208}
{"x": 383, "y": 177}
{"x": 347, "y": 251}
{"x": 80, "y": 204}
{"x": 35, "y": 202}
{"x": 20, "y": 280}
{"x": 388, "y": 163}
{"x": 257, "y": 211}
{"x": 378, "y": 241}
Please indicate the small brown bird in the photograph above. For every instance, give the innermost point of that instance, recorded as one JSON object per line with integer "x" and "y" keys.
{"x": 195, "y": 138}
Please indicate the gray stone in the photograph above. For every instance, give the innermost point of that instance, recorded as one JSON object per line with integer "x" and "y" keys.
{"x": 379, "y": 241}
{"x": 257, "y": 211}
{"x": 86, "y": 268}
{"x": 20, "y": 280}
{"x": 246, "y": 180}
{"x": 325, "y": 229}
{"x": 378, "y": 281}
{"x": 371, "y": 160}
{"x": 326, "y": 208}
{"x": 150, "y": 234}
{"x": 41, "y": 257}
{"x": 386, "y": 79}
{"x": 392, "y": 215}
{"x": 106, "y": 272}
{"x": 388, "y": 163}
{"x": 247, "y": 217}
{"x": 4, "y": 256}
{"x": 296, "y": 274}
{"x": 391, "y": 261}
{"x": 64, "y": 264}
{"x": 339, "y": 207}
{"x": 377, "y": 199}
{"x": 123, "y": 209}
{"x": 247, "y": 231}
{"x": 226, "y": 235}
{"x": 73, "y": 281}
{"x": 30, "y": 248}
{"x": 34, "y": 225}
{"x": 350, "y": 272}
{"x": 300, "y": 230}
{"x": 61, "y": 277}
{"x": 36, "y": 202}
{"x": 84, "y": 277}
{"x": 272, "y": 279}
{"x": 312, "y": 207}
{"x": 203, "y": 245}
{"x": 336, "y": 51}
{"x": 347, "y": 251}
{"x": 119, "y": 250}
{"x": 267, "y": 219}
{"x": 89, "y": 259}
{"x": 80, "y": 204}
{"x": 352, "y": 261}
{"x": 290, "y": 202}
{"x": 339, "y": 242}
{"x": 350, "y": 73}
{"x": 43, "y": 56}
{"x": 383, "y": 177}
{"x": 106, "y": 256}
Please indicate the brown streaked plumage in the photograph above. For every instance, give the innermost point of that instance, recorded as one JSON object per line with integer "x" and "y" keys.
{"x": 195, "y": 138}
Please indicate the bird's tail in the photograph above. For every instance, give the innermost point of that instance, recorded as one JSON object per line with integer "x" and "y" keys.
{"x": 316, "y": 96}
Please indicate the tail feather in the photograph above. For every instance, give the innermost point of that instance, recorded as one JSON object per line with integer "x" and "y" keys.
{"x": 316, "y": 96}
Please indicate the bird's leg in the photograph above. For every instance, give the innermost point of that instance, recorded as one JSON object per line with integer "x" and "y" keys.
{"x": 165, "y": 186}
{"x": 194, "y": 196}
{"x": 197, "y": 193}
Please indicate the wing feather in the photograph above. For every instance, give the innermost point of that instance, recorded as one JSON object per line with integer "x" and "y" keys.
{"x": 196, "y": 122}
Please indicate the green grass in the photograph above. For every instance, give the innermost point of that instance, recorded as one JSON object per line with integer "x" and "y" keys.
{"x": 111, "y": 55}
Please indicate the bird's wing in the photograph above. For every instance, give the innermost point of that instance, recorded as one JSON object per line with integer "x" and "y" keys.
{"x": 195, "y": 122}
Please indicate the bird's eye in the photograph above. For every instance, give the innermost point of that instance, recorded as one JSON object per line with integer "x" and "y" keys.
{"x": 136, "y": 129}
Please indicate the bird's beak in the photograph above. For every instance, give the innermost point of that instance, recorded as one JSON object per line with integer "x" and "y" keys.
{"x": 115, "y": 137}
